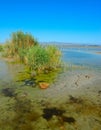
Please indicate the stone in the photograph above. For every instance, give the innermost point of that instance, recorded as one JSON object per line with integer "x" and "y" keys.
{"x": 43, "y": 85}
{"x": 29, "y": 82}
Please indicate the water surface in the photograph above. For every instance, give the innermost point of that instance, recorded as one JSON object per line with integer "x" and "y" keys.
{"x": 82, "y": 56}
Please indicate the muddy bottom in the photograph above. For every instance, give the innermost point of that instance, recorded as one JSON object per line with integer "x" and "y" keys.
{"x": 22, "y": 112}
{"x": 72, "y": 102}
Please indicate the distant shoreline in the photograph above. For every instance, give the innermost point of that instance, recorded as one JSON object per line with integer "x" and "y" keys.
{"x": 99, "y": 52}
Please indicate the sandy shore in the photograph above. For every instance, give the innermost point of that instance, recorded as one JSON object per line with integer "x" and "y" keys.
{"x": 77, "y": 93}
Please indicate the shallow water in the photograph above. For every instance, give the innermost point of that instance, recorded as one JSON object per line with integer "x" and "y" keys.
{"x": 63, "y": 106}
{"x": 9, "y": 70}
{"x": 83, "y": 56}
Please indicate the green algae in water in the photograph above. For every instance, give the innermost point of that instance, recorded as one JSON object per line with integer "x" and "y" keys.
{"x": 49, "y": 112}
{"x": 23, "y": 75}
{"x": 49, "y": 77}
{"x": 41, "y": 77}
{"x": 68, "y": 119}
{"x": 9, "y": 92}
{"x": 25, "y": 115}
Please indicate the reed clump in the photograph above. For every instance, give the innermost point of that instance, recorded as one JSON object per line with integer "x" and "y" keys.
{"x": 1, "y": 48}
{"x": 23, "y": 47}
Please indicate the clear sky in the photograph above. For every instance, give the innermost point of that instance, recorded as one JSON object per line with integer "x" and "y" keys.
{"x": 76, "y": 21}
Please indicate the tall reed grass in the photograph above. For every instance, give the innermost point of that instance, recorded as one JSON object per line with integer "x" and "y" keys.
{"x": 26, "y": 49}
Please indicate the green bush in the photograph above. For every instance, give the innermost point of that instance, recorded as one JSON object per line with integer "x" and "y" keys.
{"x": 24, "y": 47}
{"x": 41, "y": 58}
{"x": 8, "y": 50}
{"x": 18, "y": 42}
{"x": 38, "y": 57}
{"x": 22, "y": 55}
{"x": 1, "y": 48}
{"x": 55, "y": 55}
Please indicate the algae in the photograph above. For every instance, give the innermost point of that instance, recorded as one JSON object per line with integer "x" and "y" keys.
{"x": 49, "y": 77}
{"x": 26, "y": 114}
{"x": 49, "y": 112}
{"x": 8, "y": 92}
{"x": 39, "y": 77}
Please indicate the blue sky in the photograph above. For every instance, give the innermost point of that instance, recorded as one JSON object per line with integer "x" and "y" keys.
{"x": 75, "y": 21}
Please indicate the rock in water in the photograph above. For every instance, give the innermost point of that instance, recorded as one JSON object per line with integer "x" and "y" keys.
{"x": 43, "y": 85}
{"x": 29, "y": 82}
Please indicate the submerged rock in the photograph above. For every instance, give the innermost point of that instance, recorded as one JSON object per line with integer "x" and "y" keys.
{"x": 29, "y": 82}
{"x": 43, "y": 85}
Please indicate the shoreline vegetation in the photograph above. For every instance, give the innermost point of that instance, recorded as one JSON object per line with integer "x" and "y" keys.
{"x": 40, "y": 61}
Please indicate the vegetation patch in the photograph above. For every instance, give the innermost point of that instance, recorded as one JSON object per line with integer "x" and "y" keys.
{"x": 43, "y": 60}
{"x": 68, "y": 119}
{"x": 9, "y": 92}
{"x": 25, "y": 114}
{"x": 49, "y": 112}
{"x": 1, "y": 48}
{"x": 75, "y": 100}
{"x": 47, "y": 77}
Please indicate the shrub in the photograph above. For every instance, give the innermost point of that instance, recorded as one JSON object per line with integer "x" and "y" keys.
{"x": 41, "y": 58}
{"x": 38, "y": 57}
{"x": 55, "y": 55}
{"x": 1, "y": 48}
{"x": 19, "y": 41}
{"x": 25, "y": 48}
{"x": 22, "y": 55}
{"x": 8, "y": 50}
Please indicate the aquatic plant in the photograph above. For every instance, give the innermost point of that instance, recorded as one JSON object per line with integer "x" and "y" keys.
{"x": 54, "y": 56}
{"x": 1, "y": 48}
{"x": 22, "y": 55}
{"x": 18, "y": 40}
{"x": 38, "y": 57}
{"x": 49, "y": 112}
{"x": 9, "y": 92}
{"x": 42, "y": 58}
{"x": 22, "y": 40}
{"x": 7, "y": 50}
{"x": 22, "y": 47}
{"x": 25, "y": 115}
